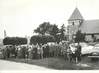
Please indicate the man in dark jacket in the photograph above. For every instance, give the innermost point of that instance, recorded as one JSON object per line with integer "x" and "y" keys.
{"x": 78, "y": 53}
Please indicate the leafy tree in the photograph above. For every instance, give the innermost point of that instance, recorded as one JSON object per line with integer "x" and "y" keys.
{"x": 48, "y": 28}
{"x": 80, "y": 37}
{"x": 43, "y": 28}
{"x": 62, "y": 30}
{"x": 54, "y": 30}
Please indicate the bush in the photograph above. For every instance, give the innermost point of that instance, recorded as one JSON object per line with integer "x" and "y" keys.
{"x": 14, "y": 41}
{"x": 41, "y": 39}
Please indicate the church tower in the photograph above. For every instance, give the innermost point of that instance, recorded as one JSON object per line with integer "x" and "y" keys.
{"x": 74, "y": 22}
{"x": 76, "y": 18}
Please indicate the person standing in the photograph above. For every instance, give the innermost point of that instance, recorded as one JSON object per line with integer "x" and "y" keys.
{"x": 69, "y": 54}
{"x": 41, "y": 52}
{"x": 78, "y": 53}
{"x": 47, "y": 50}
{"x": 35, "y": 52}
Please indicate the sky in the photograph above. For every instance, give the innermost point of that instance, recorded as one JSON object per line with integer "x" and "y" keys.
{"x": 21, "y": 17}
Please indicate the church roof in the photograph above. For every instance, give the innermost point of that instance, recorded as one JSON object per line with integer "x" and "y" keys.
{"x": 90, "y": 26}
{"x": 75, "y": 15}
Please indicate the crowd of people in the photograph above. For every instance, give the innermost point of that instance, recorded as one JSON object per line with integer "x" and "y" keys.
{"x": 40, "y": 51}
{"x": 74, "y": 54}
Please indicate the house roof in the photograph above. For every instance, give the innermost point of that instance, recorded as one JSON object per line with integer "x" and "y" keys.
{"x": 75, "y": 15}
{"x": 90, "y": 26}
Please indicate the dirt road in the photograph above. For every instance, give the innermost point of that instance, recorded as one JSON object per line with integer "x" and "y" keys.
{"x": 9, "y": 65}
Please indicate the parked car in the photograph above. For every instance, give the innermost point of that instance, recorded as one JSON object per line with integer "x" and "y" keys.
{"x": 86, "y": 48}
{"x": 94, "y": 52}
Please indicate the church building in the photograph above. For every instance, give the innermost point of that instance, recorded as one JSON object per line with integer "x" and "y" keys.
{"x": 77, "y": 22}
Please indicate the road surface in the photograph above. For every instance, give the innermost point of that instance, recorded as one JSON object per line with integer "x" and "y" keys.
{"x": 9, "y": 65}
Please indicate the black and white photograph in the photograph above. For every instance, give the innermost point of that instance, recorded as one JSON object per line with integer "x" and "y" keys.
{"x": 49, "y": 35}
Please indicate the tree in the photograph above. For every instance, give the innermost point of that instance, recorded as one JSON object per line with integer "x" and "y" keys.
{"x": 48, "y": 28}
{"x": 62, "y": 30}
{"x": 53, "y": 30}
{"x": 43, "y": 28}
{"x": 80, "y": 37}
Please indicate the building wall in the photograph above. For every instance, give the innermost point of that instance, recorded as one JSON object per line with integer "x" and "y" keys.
{"x": 89, "y": 38}
{"x": 73, "y": 27}
{"x": 97, "y": 36}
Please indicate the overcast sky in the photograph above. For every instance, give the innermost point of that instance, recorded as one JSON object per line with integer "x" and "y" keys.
{"x": 21, "y": 17}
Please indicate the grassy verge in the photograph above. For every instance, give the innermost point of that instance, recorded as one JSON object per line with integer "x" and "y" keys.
{"x": 53, "y": 63}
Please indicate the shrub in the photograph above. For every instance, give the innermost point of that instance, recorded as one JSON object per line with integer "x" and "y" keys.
{"x": 41, "y": 39}
{"x": 14, "y": 41}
